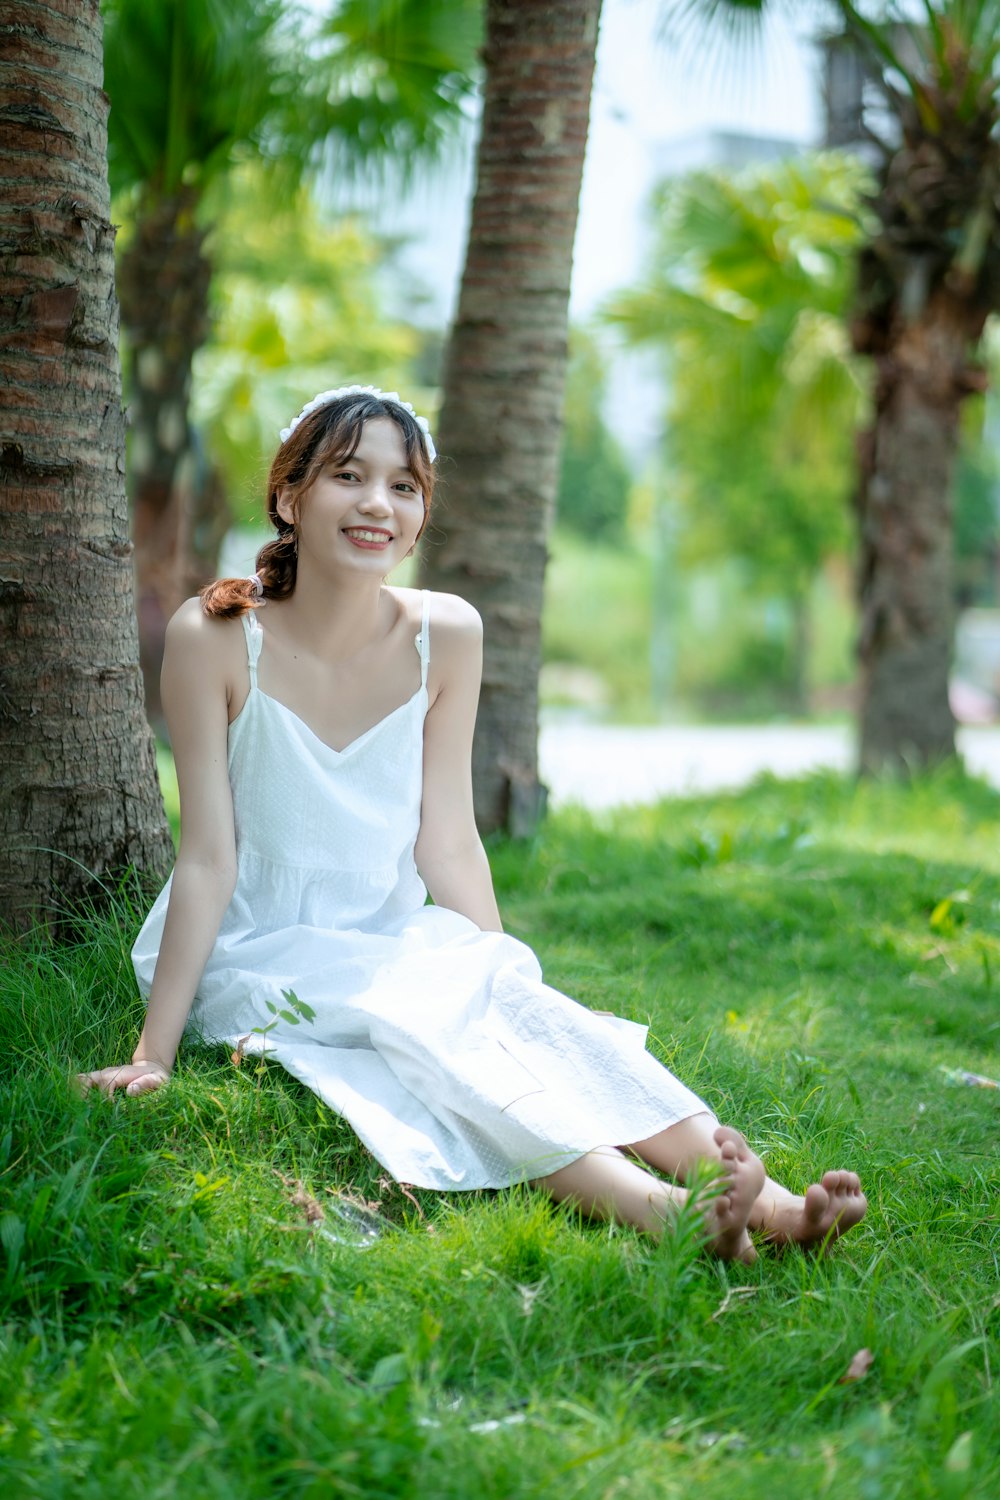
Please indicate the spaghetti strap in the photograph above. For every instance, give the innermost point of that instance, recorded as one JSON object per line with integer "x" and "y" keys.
{"x": 423, "y": 640}
{"x": 255, "y": 640}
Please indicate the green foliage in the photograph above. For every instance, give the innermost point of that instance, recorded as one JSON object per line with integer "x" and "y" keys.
{"x": 173, "y": 1307}
{"x": 597, "y": 618}
{"x": 977, "y": 523}
{"x": 392, "y": 78}
{"x": 746, "y": 298}
{"x": 977, "y": 490}
{"x": 168, "y": 788}
{"x": 294, "y": 296}
{"x": 734, "y": 657}
{"x": 934, "y": 230}
{"x": 188, "y": 80}
{"x": 196, "y": 85}
{"x": 594, "y": 477}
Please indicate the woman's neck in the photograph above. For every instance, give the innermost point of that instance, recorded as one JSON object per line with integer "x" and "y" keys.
{"x": 337, "y": 621}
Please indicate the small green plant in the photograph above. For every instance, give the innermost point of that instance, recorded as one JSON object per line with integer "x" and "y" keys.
{"x": 295, "y": 1012}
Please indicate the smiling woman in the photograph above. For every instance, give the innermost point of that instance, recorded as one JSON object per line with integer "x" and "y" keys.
{"x": 324, "y": 769}
{"x": 337, "y": 438}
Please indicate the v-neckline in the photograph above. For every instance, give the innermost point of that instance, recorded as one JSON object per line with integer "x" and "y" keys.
{"x": 332, "y": 749}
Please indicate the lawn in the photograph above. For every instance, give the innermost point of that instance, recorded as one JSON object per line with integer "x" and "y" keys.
{"x": 187, "y": 1307}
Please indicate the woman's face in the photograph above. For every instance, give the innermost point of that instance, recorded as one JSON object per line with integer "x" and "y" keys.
{"x": 364, "y": 512}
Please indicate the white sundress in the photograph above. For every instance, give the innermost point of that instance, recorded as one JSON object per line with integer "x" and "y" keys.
{"x": 453, "y": 1061}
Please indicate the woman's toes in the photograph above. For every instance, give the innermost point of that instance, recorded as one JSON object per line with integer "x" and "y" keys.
{"x": 817, "y": 1201}
{"x": 725, "y": 1135}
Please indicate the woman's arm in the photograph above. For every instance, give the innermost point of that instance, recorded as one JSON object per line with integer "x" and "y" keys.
{"x": 449, "y": 853}
{"x": 198, "y": 665}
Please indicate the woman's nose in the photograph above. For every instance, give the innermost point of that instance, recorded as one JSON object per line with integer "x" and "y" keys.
{"x": 376, "y": 499}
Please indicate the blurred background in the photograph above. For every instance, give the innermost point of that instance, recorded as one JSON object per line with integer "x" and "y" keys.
{"x": 700, "y": 615}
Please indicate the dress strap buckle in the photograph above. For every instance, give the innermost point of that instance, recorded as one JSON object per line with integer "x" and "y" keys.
{"x": 255, "y": 640}
{"x": 423, "y": 640}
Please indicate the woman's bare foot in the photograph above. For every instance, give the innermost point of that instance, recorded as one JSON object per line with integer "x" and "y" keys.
{"x": 829, "y": 1209}
{"x": 738, "y": 1188}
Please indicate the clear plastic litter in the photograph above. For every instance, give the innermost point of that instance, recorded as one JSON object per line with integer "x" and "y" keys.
{"x": 348, "y": 1223}
{"x": 970, "y": 1080}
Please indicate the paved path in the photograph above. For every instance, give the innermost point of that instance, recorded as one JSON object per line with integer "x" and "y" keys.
{"x": 608, "y": 765}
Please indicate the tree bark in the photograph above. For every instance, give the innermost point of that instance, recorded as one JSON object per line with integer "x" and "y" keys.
{"x": 501, "y": 420}
{"x": 79, "y": 798}
{"x": 907, "y": 464}
{"x": 163, "y": 280}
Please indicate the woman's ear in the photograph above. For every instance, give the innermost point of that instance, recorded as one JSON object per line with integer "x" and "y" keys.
{"x": 285, "y": 505}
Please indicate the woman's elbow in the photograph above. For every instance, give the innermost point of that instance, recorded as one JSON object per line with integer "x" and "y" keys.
{"x": 434, "y": 854}
{"x": 214, "y": 874}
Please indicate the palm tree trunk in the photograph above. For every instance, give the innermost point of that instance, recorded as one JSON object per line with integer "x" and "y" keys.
{"x": 501, "y": 420}
{"x": 163, "y": 281}
{"x": 78, "y": 790}
{"x": 905, "y": 517}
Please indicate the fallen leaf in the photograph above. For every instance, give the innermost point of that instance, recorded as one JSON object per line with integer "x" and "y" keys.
{"x": 858, "y": 1368}
{"x": 237, "y": 1057}
{"x": 311, "y": 1209}
{"x": 404, "y": 1189}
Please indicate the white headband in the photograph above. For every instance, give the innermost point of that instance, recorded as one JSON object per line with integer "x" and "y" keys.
{"x": 325, "y": 397}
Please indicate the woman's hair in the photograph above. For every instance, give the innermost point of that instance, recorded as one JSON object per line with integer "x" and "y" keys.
{"x": 330, "y": 434}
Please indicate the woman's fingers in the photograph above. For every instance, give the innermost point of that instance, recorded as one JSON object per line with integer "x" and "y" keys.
{"x": 96, "y": 1080}
{"x": 145, "y": 1085}
{"x": 133, "y": 1078}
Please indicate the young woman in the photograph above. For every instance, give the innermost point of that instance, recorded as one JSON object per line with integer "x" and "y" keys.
{"x": 322, "y": 727}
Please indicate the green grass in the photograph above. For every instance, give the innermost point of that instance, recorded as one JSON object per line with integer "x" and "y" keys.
{"x": 172, "y": 1322}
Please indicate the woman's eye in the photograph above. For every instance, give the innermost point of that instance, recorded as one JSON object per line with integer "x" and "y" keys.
{"x": 408, "y": 489}
{"x": 345, "y": 474}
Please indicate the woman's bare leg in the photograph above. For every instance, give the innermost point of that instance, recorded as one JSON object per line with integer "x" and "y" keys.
{"x": 827, "y": 1209}
{"x": 607, "y": 1185}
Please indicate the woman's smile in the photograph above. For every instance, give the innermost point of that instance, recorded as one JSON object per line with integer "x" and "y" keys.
{"x": 371, "y": 538}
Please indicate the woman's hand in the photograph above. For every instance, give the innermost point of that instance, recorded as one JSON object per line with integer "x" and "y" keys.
{"x": 132, "y": 1078}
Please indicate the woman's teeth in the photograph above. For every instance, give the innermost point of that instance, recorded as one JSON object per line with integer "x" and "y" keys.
{"x": 369, "y": 536}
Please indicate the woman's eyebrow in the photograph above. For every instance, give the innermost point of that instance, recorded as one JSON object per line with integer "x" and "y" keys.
{"x": 342, "y": 463}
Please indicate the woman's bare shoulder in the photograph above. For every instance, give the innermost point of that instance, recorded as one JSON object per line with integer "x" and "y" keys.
{"x": 451, "y": 617}
{"x": 455, "y": 615}
{"x": 195, "y": 638}
{"x": 455, "y": 623}
{"x": 191, "y": 623}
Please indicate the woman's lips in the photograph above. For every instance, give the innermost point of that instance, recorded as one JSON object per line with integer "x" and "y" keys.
{"x": 370, "y": 538}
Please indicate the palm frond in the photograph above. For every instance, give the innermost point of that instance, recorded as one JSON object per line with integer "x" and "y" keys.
{"x": 194, "y": 84}
{"x": 705, "y": 21}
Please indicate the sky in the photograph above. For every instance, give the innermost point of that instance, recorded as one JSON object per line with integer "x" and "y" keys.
{"x": 647, "y": 102}
{"x": 646, "y": 99}
{"x": 654, "y": 108}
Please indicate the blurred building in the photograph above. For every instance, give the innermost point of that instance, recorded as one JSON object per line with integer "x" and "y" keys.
{"x": 729, "y": 150}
